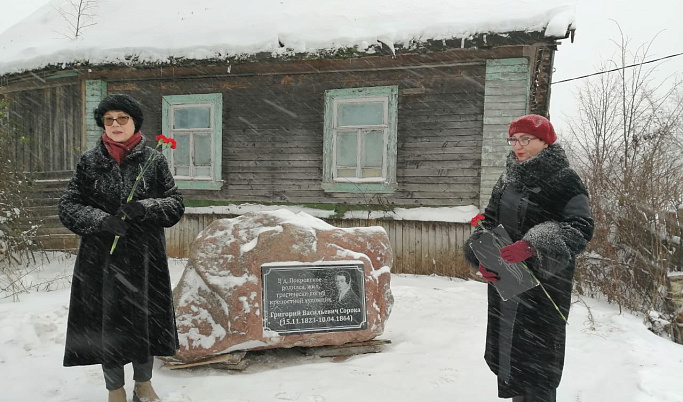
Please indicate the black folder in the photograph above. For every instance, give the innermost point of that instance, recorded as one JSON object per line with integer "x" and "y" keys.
{"x": 514, "y": 278}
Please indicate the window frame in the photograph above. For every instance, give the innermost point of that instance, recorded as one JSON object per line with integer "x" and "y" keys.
{"x": 172, "y": 102}
{"x": 334, "y": 97}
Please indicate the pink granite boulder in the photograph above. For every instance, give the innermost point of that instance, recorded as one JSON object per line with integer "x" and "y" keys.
{"x": 219, "y": 299}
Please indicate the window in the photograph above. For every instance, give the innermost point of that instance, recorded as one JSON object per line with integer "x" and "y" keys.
{"x": 195, "y": 122}
{"x": 360, "y": 140}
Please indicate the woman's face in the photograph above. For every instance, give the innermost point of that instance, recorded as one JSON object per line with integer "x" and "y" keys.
{"x": 115, "y": 128}
{"x": 525, "y": 152}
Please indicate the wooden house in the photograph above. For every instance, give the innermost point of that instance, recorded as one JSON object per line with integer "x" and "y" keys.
{"x": 417, "y": 123}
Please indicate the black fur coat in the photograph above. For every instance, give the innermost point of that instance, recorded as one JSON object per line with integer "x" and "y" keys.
{"x": 121, "y": 307}
{"x": 543, "y": 201}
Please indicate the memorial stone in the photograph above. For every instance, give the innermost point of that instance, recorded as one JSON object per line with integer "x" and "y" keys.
{"x": 280, "y": 279}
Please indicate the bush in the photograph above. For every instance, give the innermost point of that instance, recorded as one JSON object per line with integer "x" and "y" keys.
{"x": 17, "y": 232}
{"x": 628, "y": 143}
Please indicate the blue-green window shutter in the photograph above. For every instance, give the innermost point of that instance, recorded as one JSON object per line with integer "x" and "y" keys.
{"x": 506, "y": 97}
{"x": 196, "y": 123}
{"x": 95, "y": 91}
{"x": 359, "y": 142}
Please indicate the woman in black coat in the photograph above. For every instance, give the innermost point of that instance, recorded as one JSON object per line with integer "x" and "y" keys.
{"x": 121, "y": 307}
{"x": 543, "y": 205}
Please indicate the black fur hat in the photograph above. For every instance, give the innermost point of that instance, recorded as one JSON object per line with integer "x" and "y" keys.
{"x": 123, "y": 103}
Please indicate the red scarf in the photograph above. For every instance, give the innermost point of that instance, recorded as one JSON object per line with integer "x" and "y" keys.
{"x": 119, "y": 150}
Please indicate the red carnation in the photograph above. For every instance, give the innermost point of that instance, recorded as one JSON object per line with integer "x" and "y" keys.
{"x": 475, "y": 221}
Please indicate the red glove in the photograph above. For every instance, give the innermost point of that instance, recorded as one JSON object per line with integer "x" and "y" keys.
{"x": 518, "y": 251}
{"x": 489, "y": 276}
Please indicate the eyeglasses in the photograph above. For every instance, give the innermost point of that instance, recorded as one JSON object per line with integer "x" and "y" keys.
{"x": 523, "y": 141}
{"x": 122, "y": 120}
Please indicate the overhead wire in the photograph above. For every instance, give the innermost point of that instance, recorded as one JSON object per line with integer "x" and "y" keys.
{"x": 617, "y": 69}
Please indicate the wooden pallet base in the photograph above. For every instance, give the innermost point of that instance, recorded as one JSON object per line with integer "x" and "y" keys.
{"x": 240, "y": 359}
{"x": 230, "y": 361}
{"x": 347, "y": 349}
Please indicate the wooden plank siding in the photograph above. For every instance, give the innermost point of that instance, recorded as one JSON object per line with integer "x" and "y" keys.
{"x": 43, "y": 194}
{"x": 420, "y": 248}
{"x": 454, "y": 106}
{"x": 48, "y": 127}
{"x": 273, "y": 133}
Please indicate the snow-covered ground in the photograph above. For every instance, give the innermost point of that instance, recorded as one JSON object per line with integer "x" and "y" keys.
{"x": 436, "y": 354}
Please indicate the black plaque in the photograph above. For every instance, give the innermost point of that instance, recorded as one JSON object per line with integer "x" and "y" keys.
{"x": 307, "y": 298}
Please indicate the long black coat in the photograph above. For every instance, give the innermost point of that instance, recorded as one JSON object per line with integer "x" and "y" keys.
{"x": 121, "y": 307}
{"x": 543, "y": 201}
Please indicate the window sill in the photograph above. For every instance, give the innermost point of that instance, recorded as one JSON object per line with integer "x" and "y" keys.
{"x": 199, "y": 184}
{"x": 359, "y": 188}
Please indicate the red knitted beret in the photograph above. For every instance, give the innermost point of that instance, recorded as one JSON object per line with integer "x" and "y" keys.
{"x": 536, "y": 125}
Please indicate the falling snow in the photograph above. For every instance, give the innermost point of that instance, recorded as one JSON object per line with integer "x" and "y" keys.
{"x": 437, "y": 327}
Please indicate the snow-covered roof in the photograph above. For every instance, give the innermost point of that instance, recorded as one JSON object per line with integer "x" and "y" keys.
{"x": 122, "y": 31}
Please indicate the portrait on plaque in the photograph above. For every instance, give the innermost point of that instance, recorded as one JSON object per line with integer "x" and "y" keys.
{"x": 307, "y": 298}
{"x": 346, "y": 294}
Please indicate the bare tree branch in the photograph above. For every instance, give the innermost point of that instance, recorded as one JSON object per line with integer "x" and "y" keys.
{"x": 78, "y": 14}
{"x": 628, "y": 139}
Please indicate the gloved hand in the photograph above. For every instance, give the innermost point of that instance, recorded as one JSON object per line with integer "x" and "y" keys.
{"x": 131, "y": 210}
{"x": 517, "y": 251}
{"x": 114, "y": 225}
{"x": 488, "y": 275}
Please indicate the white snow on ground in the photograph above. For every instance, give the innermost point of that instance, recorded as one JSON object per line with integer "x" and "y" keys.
{"x": 436, "y": 330}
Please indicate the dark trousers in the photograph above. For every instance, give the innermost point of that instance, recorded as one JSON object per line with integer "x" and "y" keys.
{"x": 113, "y": 375}
{"x": 537, "y": 395}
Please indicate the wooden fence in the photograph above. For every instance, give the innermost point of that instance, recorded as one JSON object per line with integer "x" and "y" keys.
{"x": 422, "y": 248}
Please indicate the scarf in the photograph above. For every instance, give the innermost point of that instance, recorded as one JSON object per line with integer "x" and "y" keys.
{"x": 119, "y": 150}
{"x": 536, "y": 170}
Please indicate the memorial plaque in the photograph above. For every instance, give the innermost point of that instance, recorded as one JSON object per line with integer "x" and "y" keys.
{"x": 307, "y": 298}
